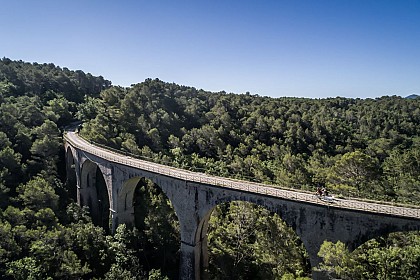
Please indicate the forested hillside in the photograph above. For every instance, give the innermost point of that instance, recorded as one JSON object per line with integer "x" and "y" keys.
{"x": 368, "y": 148}
{"x": 43, "y": 235}
{"x": 361, "y": 148}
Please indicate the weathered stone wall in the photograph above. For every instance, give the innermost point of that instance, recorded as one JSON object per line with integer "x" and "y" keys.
{"x": 194, "y": 202}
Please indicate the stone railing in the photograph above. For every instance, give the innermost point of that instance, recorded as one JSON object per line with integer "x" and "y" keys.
{"x": 113, "y": 156}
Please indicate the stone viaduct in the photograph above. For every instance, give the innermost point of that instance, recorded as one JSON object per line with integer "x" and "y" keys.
{"x": 195, "y": 195}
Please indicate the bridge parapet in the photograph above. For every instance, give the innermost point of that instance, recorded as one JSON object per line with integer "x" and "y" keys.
{"x": 251, "y": 187}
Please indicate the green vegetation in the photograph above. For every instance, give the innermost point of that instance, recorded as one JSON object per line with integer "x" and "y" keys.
{"x": 362, "y": 148}
{"x": 43, "y": 235}
{"x": 248, "y": 242}
{"x": 395, "y": 256}
{"x": 355, "y": 147}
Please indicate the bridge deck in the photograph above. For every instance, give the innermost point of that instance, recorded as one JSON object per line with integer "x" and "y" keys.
{"x": 269, "y": 190}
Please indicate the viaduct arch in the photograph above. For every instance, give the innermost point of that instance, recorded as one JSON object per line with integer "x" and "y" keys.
{"x": 195, "y": 195}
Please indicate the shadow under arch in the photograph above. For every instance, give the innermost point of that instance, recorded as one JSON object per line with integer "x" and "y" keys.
{"x": 143, "y": 205}
{"x": 93, "y": 192}
{"x": 71, "y": 177}
{"x": 247, "y": 239}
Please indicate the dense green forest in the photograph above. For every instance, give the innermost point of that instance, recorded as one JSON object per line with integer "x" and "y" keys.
{"x": 361, "y": 148}
{"x": 365, "y": 148}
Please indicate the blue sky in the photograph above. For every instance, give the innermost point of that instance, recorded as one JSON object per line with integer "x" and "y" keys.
{"x": 313, "y": 49}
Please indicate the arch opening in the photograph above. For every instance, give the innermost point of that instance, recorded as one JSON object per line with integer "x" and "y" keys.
{"x": 247, "y": 241}
{"x": 94, "y": 194}
{"x": 71, "y": 178}
{"x": 144, "y": 207}
{"x": 392, "y": 256}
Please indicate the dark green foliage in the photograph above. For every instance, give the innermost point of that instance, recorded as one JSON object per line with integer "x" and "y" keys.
{"x": 37, "y": 194}
{"x": 35, "y": 100}
{"x": 157, "y": 230}
{"x": 291, "y": 142}
{"x": 396, "y": 256}
{"x": 248, "y": 242}
{"x": 369, "y": 148}
{"x": 47, "y": 80}
{"x": 354, "y": 173}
